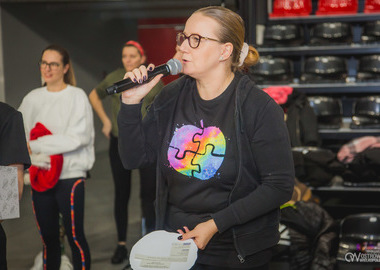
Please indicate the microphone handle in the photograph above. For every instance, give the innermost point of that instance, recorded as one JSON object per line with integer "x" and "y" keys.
{"x": 126, "y": 84}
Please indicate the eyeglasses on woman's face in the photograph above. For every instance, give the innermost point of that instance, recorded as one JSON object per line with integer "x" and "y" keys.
{"x": 52, "y": 65}
{"x": 194, "y": 39}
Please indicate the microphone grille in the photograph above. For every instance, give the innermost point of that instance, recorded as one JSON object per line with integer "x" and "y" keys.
{"x": 175, "y": 66}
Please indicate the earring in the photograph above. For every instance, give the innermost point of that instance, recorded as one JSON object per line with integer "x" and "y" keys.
{"x": 221, "y": 58}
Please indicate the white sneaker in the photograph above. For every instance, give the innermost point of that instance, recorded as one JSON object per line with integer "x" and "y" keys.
{"x": 38, "y": 262}
{"x": 65, "y": 263}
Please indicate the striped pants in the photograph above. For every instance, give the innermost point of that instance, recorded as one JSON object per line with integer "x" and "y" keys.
{"x": 67, "y": 198}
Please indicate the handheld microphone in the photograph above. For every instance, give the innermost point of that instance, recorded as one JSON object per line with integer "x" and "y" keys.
{"x": 172, "y": 67}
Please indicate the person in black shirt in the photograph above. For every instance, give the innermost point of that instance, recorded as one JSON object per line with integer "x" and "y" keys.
{"x": 221, "y": 146}
{"x": 13, "y": 152}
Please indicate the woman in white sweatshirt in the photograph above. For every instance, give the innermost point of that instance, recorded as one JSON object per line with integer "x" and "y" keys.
{"x": 59, "y": 125}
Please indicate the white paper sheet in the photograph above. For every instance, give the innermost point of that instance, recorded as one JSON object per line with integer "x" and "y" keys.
{"x": 9, "y": 202}
{"x": 162, "y": 250}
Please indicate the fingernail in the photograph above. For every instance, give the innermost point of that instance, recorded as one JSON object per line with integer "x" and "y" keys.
{"x": 150, "y": 68}
{"x": 134, "y": 80}
{"x": 144, "y": 78}
{"x": 180, "y": 237}
{"x": 140, "y": 81}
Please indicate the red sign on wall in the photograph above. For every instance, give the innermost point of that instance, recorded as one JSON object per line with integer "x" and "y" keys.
{"x": 157, "y": 36}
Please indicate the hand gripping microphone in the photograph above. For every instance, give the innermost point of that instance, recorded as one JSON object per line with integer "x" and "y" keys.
{"x": 172, "y": 67}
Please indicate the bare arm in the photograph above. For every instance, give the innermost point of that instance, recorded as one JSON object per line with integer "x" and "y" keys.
{"x": 97, "y": 105}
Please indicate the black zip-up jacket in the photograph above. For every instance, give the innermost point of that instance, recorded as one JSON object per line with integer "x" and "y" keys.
{"x": 301, "y": 121}
{"x": 265, "y": 176}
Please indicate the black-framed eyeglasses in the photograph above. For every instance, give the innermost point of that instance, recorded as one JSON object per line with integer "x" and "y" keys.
{"x": 194, "y": 39}
{"x": 52, "y": 65}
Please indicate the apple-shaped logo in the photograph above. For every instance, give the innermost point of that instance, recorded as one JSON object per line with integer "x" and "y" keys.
{"x": 197, "y": 152}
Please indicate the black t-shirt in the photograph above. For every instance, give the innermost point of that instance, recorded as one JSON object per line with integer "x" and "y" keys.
{"x": 13, "y": 148}
{"x": 199, "y": 167}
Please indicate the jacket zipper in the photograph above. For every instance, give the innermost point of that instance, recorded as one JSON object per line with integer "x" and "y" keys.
{"x": 239, "y": 160}
{"x": 159, "y": 221}
{"x": 241, "y": 258}
{"x": 158, "y": 182}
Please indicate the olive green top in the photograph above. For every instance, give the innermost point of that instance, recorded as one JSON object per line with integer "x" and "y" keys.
{"x": 109, "y": 80}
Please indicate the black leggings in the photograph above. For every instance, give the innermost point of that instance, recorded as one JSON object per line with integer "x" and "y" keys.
{"x": 122, "y": 182}
{"x": 3, "y": 249}
{"x": 67, "y": 198}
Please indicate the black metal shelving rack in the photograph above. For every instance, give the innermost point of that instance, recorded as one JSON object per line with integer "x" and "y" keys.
{"x": 339, "y": 199}
{"x": 351, "y": 51}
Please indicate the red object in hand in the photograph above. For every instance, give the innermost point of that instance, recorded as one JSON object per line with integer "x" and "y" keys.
{"x": 342, "y": 7}
{"x": 40, "y": 179}
{"x": 372, "y": 6}
{"x": 291, "y": 8}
